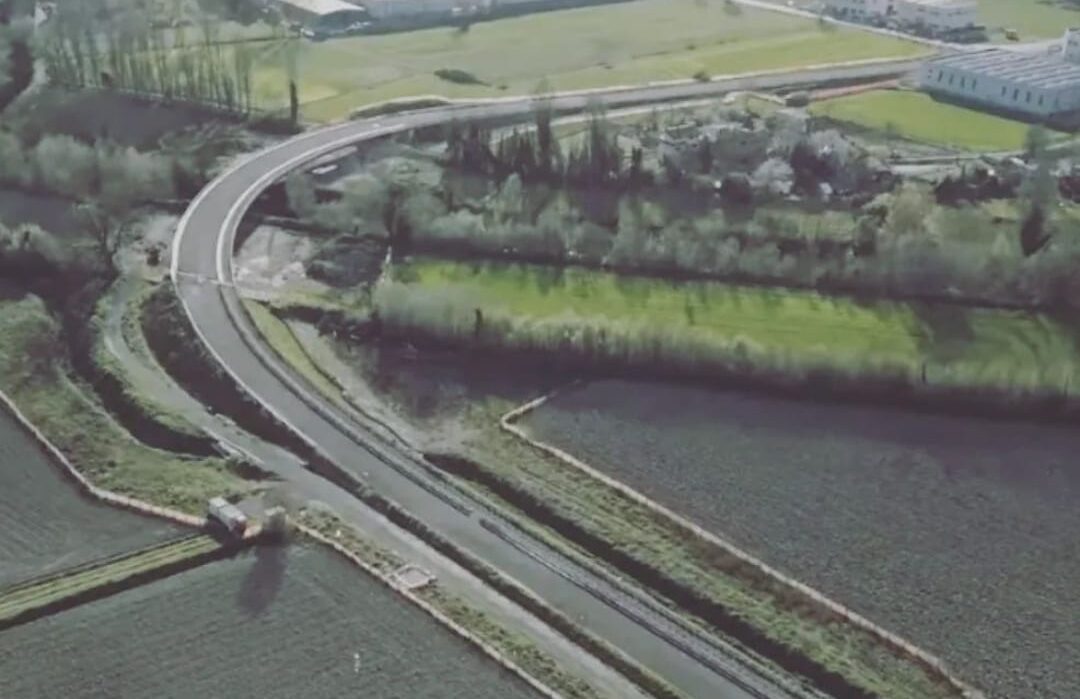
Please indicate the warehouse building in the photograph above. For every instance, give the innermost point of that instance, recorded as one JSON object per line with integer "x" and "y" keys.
{"x": 1035, "y": 86}
{"x": 932, "y": 17}
{"x": 324, "y": 17}
{"x": 936, "y": 16}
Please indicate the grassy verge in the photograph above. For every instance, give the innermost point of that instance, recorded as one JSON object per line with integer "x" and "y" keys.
{"x": 778, "y": 337}
{"x": 144, "y": 416}
{"x": 516, "y": 647}
{"x": 23, "y": 601}
{"x": 281, "y": 338}
{"x": 33, "y": 373}
{"x": 178, "y": 349}
{"x": 916, "y": 116}
{"x": 593, "y": 47}
{"x": 766, "y": 616}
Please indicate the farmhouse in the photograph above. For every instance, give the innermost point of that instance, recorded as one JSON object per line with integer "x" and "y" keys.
{"x": 1034, "y": 86}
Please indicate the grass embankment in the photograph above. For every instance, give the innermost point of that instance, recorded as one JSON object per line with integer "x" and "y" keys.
{"x": 33, "y": 373}
{"x": 281, "y": 338}
{"x": 917, "y": 116}
{"x": 593, "y": 47}
{"x": 697, "y": 575}
{"x": 519, "y": 649}
{"x": 176, "y": 346}
{"x": 23, "y": 602}
{"x": 709, "y": 328}
{"x": 134, "y": 406}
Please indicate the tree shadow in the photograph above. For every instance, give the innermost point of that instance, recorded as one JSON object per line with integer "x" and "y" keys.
{"x": 264, "y": 579}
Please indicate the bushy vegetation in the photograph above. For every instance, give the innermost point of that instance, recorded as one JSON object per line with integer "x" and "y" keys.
{"x": 33, "y": 372}
{"x": 105, "y": 180}
{"x": 700, "y": 328}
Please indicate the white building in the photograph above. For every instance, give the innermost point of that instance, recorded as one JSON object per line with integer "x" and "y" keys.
{"x": 1034, "y": 86}
{"x": 858, "y": 10}
{"x": 936, "y": 15}
{"x": 1072, "y": 45}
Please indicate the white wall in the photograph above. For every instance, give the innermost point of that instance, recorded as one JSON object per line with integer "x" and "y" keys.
{"x": 1001, "y": 94}
{"x": 942, "y": 15}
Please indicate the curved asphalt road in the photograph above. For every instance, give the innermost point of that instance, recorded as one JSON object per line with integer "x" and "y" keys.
{"x": 202, "y": 274}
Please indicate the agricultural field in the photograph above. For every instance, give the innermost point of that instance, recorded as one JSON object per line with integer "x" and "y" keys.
{"x": 279, "y": 622}
{"x": 782, "y": 330}
{"x": 916, "y": 116}
{"x": 46, "y": 525}
{"x": 936, "y": 527}
{"x": 621, "y": 44}
{"x": 33, "y": 374}
{"x": 1033, "y": 19}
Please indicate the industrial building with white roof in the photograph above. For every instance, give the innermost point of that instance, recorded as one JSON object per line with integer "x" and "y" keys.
{"x": 1036, "y": 86}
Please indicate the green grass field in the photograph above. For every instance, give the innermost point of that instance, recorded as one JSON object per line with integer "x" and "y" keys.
{"x": 631, "y": 43}
{"x": 1033, "y": 19}
{"x": 919, "y": 117}
{"x": 32, "y": 374}
{"x": 956, "y": 346}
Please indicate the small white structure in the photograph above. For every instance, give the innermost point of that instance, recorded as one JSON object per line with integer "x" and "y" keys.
{"x": 1032, "y": 85}
{"x": 227, "y": 515}
{"x": 1072, "y": 45}
{"x": 938, "y": 16}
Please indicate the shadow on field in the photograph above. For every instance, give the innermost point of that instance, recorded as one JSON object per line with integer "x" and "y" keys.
{"x": 264, "y": 579}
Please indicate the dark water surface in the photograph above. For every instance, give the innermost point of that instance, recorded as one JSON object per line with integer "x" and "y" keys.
{"x": 46, "y": 524}
{"x": 962, "y": 534}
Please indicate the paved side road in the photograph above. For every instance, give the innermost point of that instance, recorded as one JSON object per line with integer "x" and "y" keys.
{"x": 202, "y": 274}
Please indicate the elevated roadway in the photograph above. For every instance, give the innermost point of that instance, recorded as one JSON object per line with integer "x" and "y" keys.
{"x": 695, "y": 663}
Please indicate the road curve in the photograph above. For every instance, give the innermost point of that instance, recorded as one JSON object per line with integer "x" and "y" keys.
{"x": 202, "y": 275}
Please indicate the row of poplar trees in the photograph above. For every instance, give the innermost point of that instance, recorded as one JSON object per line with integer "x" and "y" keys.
{"x": 131, "y": 56}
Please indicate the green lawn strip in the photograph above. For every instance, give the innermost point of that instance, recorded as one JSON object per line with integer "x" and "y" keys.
{"x": 115, "y": 571}
{"x": 778, "y": 332}
{"x": 919, "y": 117}
{"x": 31, "y": 373}
{"x": 278, "y": 335}
{"x": 593, "y": 47}
{"x": 519, "y": 649}
{"x": 646, "y": 536}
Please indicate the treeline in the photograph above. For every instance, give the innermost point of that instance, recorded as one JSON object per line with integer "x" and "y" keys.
{"x": 16, "y": 57}
{"x": 80, "y": 52}
{"x": 103, "y": 180}
{"x": 535, "y": 154}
